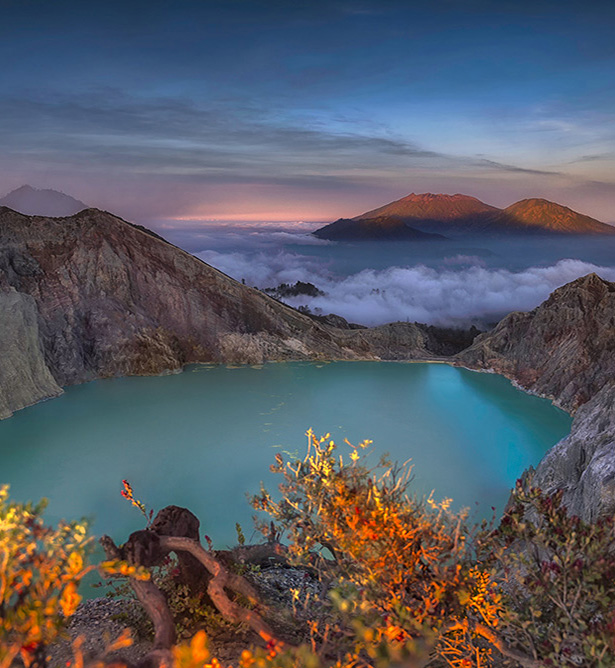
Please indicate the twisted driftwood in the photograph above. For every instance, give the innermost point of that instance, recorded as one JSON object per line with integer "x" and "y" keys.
{"x": 149, "y": 547}
{"x": 151, "y": 598}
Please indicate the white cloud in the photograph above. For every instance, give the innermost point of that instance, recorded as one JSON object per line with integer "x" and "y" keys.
{"x": 441, "y": 296}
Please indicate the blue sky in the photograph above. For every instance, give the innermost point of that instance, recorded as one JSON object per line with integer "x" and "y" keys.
{"x": 307, "y": 110}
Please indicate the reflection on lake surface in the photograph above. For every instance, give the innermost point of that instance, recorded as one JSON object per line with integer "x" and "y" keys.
{"x": 204, "y": 438}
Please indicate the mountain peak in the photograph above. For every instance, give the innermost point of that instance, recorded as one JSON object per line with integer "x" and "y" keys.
{"x": 441, "y": 197}
{"x": 590, "y": 284}
{"x": 23, "y": 189}
{"x": 460, "y": 214}
{"x": 431, "y": 206}
{"x": 42, "y": 202}
{"x": 551, "y": 216}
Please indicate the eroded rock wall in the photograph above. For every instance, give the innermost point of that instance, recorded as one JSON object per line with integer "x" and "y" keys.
{"x": 24, "y": 375}
{"x": 583, "y": 464}
{"x": 111, "y": 299}
{"x": 565, "y": 350}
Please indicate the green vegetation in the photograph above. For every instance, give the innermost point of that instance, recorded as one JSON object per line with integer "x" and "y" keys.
{"x": 407, "y": 581}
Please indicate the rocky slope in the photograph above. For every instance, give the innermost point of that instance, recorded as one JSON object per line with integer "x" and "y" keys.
{"x": 35, "y": 202}
{"x": 91, "y": 296}
{"x": 583, "y": 464}
{"x": 461, "y": 214}
{"x": 565, "y": 350}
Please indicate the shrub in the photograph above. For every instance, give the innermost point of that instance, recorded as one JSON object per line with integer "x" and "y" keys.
{"x": 410, "y": 582}
{"x": 40, "y": 569}
{"x": 404, "y": 568}
{"x": 558, "y": 577}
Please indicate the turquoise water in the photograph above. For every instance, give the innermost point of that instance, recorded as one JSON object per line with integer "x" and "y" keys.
{"x": 204, "y": 438}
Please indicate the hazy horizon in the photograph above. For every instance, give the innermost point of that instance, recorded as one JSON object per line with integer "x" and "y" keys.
{"x": 469, "y": 280}
{"x": 254, "y": 110}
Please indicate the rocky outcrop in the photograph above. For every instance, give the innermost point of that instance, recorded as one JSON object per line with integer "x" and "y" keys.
{"x": 24, "y": 375}
{"x": 583, "y": 464}
{"x": 91, "y": 296}
{"x": 565, "y": 350}
{"x": 406, "y": 341}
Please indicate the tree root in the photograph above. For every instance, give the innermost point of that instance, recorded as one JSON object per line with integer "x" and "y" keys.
{"x": 148, "y": 548}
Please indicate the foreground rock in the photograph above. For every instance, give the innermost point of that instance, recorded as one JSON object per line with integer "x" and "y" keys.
{"x": 565, "y": 350}
{"x": 92, "y": 296}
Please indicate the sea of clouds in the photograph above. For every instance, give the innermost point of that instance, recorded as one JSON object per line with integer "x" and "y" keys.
{"x": 462, "y": 291}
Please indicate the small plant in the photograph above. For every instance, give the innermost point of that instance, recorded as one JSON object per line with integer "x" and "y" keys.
{"x": 128, "y": 494}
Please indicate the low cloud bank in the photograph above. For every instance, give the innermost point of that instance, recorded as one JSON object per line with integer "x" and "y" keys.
{"x": 241, "y": 238}
{"x": 441, "y": 296}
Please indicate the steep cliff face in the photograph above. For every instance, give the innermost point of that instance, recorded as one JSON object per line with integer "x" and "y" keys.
{"x": 24, "y": 376}
{"x": 565, "y": 350}
{"x": 95, "y": 296}
{"x": 583, "y": 464}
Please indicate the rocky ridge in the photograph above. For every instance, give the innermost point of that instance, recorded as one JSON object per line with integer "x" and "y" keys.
{"x": 565, "y": 350}
{"x": 92, "y": 296}
{"x": 374, "y": 229}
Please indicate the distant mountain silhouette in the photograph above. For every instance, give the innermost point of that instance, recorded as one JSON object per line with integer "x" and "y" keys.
{"x": 378, "y": 228}
{"x": 462, "y": 214}
{"x": 34, "y": 202}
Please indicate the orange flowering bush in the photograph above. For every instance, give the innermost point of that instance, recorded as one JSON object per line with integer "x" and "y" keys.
{"x": 407, "y": 578}
{"x": 40, "y": 569}
{"x": 410, "y": 583}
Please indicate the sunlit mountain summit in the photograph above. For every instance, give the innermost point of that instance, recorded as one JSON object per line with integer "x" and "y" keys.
{"x": 461, "y": 214}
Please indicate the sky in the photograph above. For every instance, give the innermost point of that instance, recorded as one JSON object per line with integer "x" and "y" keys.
{"x": 308, "y": 111}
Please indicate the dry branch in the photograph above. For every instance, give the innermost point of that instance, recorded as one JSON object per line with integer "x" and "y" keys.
{"x": 152, "y": 600}
{"x": 148, "y": 547}
{"x": 222, "y": 579}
